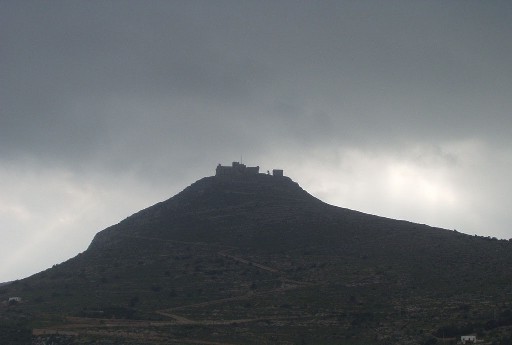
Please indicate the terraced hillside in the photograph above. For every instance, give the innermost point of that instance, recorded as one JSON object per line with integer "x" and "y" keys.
{"x": 257, "y": 260}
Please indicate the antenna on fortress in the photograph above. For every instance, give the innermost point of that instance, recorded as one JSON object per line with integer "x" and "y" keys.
{"x": 241, "y": 160}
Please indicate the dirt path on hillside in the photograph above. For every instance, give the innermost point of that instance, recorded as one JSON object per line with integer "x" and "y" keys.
{"x": 224, "y": 253}
{"x": 128, "y": 333}
{"x": 179, "y": 319}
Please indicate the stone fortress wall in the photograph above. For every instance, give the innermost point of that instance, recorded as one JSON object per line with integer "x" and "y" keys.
{"x": 239, "y": 169}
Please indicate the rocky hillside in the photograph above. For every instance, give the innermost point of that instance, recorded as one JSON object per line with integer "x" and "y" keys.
{"x": 256, "y": 259}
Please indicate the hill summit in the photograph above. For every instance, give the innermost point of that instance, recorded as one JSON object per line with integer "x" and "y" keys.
{"x": 249, "y": 258}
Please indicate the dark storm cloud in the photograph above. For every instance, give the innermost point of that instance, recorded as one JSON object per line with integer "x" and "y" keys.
{"x": 333, "y": 69}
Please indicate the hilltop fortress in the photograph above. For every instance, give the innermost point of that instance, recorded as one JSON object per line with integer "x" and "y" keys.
{"x": 238, "y": 170}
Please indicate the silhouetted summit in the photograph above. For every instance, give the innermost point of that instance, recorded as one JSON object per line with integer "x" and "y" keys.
{"x": 260, "y": 212}
{"x": 215, "y": 208}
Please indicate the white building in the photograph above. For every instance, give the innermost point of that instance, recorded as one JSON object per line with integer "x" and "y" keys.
{"x": 468, "y": 339}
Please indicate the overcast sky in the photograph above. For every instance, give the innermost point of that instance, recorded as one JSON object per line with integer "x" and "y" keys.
{"x": 395, "y": 108}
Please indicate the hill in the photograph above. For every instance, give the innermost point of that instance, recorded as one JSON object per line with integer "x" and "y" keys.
{"x": 255, "y": 259}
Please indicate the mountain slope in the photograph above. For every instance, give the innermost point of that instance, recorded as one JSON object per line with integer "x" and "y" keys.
{"x": 261, "y": 253}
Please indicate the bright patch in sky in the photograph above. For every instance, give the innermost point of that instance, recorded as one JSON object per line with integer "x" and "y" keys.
{"x": 426, "y": 186}
{"x": 50, "y": 216}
